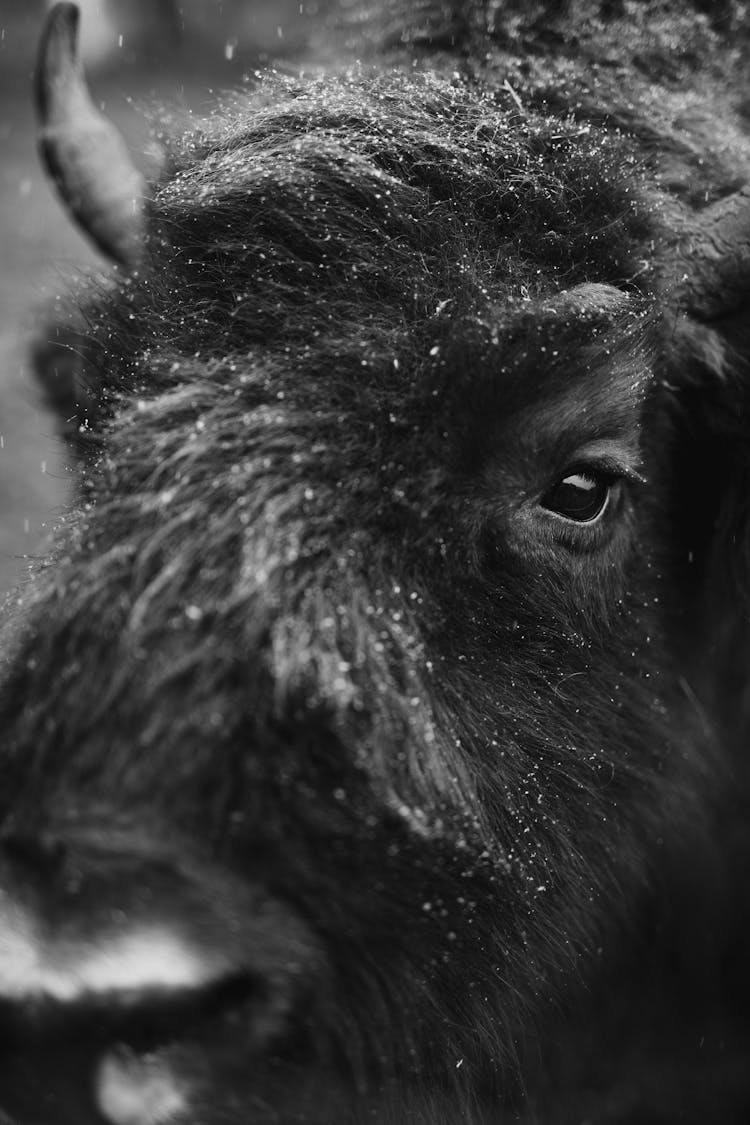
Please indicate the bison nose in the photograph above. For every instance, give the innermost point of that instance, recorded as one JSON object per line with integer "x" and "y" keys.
{"x": 107, "y": 950}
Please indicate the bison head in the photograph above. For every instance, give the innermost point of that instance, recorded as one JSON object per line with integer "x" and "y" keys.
{"x": 362, "y": 712}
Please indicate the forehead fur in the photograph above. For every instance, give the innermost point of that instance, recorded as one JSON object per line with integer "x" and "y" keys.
{"x": 557, "y": 373}
{"x": 319, "y": 206}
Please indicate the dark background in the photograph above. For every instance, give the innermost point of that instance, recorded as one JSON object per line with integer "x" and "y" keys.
{"x": 136, "y": 52}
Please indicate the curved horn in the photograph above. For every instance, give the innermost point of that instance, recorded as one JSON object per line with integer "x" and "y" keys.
{"x": 82, "y": 151}
{"x": 710, "y": 271}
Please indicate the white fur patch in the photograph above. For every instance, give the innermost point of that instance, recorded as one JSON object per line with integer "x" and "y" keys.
{"x": 36, "y": 967}
{"x": 137, "y": 1091}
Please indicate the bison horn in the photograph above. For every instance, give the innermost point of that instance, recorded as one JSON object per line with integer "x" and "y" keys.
{"x": 710, "y": 271}
{"x": 82, "y": 151}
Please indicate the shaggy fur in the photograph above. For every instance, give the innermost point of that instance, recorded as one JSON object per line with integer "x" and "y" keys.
{"x": 312, "y": 678}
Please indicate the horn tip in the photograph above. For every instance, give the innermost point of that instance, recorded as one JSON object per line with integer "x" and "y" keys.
{"x": 81, "y": 150}
{"x": 64, "y": 15}
{"x": 58, "y": 52}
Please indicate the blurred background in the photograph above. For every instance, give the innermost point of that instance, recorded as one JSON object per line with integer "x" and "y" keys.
{"x": 136, "y": 52}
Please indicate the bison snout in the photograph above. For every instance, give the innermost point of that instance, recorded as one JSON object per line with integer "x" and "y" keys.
{"x": 106, "y": 956}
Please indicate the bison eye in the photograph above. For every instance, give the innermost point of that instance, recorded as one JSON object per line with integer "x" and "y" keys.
{"x": 582, "y": 496}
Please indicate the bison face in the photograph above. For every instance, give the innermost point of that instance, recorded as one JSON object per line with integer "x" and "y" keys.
{"x": 354, "y": 714}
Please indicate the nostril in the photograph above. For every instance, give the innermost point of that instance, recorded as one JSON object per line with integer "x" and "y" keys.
{"x": 92, "y": 1062}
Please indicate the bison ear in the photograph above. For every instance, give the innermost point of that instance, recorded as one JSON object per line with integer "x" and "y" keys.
{"x": 707, "y": 272}
{"x": 82, "y": 151}
{"x": 706, "y": 287}
{"x": 706, "y": 393}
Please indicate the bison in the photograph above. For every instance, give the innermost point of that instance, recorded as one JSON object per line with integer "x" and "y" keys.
{"x": 374, "y": 735}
